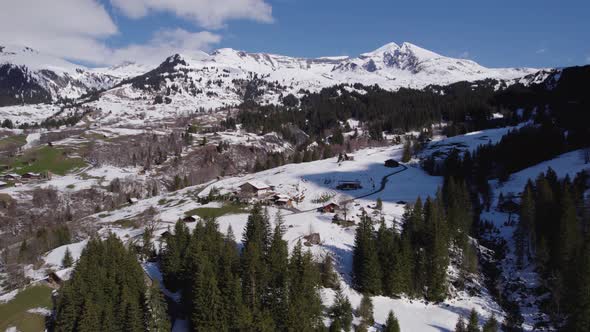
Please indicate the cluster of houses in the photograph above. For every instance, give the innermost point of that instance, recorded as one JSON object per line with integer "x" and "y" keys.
{"x": 17, "y": 179}
{"x": 262, "y": 192}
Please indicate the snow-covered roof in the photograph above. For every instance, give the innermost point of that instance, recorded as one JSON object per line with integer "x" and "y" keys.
{"x": 2, "y": 183}
{"x": 12, "y": 175}
{"x": 64, "y": 274}
{"x": 257, "y": 184}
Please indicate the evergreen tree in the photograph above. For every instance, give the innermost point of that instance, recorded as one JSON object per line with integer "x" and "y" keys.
{"x": 580, "y": 318}
{"x": 341, "y": 312}
{"x": 460, "y": 326}
{"x": 365, "y": 268}
{"x": 254, "y": 270}
{"x": 89, "y": 320}
{"x": 491, "y": 324}
{"x": 328, "y": 273}
{"x": 473, "y": 323}
{"x": 67, "y": 260}
{"x": 391, "y": 325}
{"x": 278, "y": 290}
{"x": 305, "y": 307}
{"x": 365, "y": 310}
{"x": 157, "y": 315}
{"x": 407, "y": 153}
{"x": 437, "y": 251}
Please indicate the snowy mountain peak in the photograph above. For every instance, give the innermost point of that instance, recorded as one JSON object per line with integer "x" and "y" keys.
{"x": 387, "y": 48}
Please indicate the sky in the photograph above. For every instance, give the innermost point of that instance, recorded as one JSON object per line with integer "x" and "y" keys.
{"x": 516, "y": 33}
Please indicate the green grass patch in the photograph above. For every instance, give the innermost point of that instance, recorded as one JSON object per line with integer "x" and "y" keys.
{"x": 162, "y": 201}
{"x": 46, "y": 159}
{"x": 13, "y": 141}
{"x": 14, "y": 312}
{"x": 216, "y": 212}
{"x": 71, "y": 186}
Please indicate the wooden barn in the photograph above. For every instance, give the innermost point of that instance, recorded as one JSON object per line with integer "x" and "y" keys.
{"x": 391, "y": 163}
{"x": 329, "y": 208}
{"x": 254, "y": 188}
{"x": 349, "y": 185}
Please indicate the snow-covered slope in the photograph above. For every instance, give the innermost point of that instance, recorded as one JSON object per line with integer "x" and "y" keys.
{"x": 227, "y": 76}
{"x": 29, "y": 77}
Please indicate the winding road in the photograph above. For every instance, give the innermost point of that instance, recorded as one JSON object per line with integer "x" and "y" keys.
{"x": 380, "y": 189}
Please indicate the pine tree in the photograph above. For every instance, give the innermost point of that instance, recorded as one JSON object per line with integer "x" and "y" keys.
{"x": 278, "y": 286}
{"x": 525, "y": 232}
{"x": 491, "y": 324}
{"x": 253, "y": 267}
{"x": 473, "y": 324}
{"x": 366, "y": 270}
{"x": 329, "y": 275}
{"x": 437, "y": 251}
{"x": 67, "y": 260}
{"x": 580, "y": 317}
{"x": 305, "y": 307}
{"x": 89, "y": 320}
{"x": 207, "y": 306}
{"x": 407, "y": 153}
{"x": 341, "y": 312}
{"x": 391, "y": 325}
{"x": 156, "y": 315}
{"x": 460, "y": 326}
{"x": 365, "y": 310}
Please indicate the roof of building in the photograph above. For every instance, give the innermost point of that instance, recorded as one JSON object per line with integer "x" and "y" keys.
{"x": 257, "y": 184}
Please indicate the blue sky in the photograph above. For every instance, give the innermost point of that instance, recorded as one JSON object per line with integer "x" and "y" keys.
{"x": 494, "y": 33}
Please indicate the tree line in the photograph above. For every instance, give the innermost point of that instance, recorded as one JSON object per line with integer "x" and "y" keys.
{"x": 414, "y": 261}
{"x": 259, "y": 287}
{"x": 553, "y": 231}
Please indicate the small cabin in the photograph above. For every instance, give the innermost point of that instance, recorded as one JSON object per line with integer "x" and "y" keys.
{"x": 57, "y": 278}
{"x": 391, "y": 163}
{"x": 349, "y": 185}
{"x": 31, "y": 176}
{"x": 188, "y": 219}
{"x": 11, "y": 177}
{"x": 254, "y": 188}
{"x": 3, "y": 184}
{"x": 132, "y": 200}
{"x": 329, "y": 208}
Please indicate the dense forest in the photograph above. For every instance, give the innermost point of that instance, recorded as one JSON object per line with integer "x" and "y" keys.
{"x": 414, "y": 262}
{"x": 108, "y": 292}
{"x": 463, "y": 106}
{"x": 553, "y": 231}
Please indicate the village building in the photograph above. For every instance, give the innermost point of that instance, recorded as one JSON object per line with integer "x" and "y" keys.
{"x": 255, "y": 188}
{"x": 31, "y": 176}
{"x": 11, "y": 177}
{"x": 329, "y": 208}
{"x": 188, "y": 219}
{"x": 56, "y": 278}
{"x": 391, "y": 163}
{"x": 3, "y": 184}
{"x": 132, "y": 200}
{"x": 349, "y": 185}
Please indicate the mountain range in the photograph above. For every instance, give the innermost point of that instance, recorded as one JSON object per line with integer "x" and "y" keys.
{"x": 227, "y": 76}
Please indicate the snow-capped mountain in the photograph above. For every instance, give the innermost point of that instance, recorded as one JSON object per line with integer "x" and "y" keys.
{"x": 228, "y": 77}
{"x": 28, "y": 77}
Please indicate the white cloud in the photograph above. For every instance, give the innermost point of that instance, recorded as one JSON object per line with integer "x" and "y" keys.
{"x": 163, "y": 44}
{"x": 58, "y": 27}
{"x": 206, "y": 13}
{"x": 588, "y": 59}
{"x": 77, "y": 30}
{"x": 541, "y": 51}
